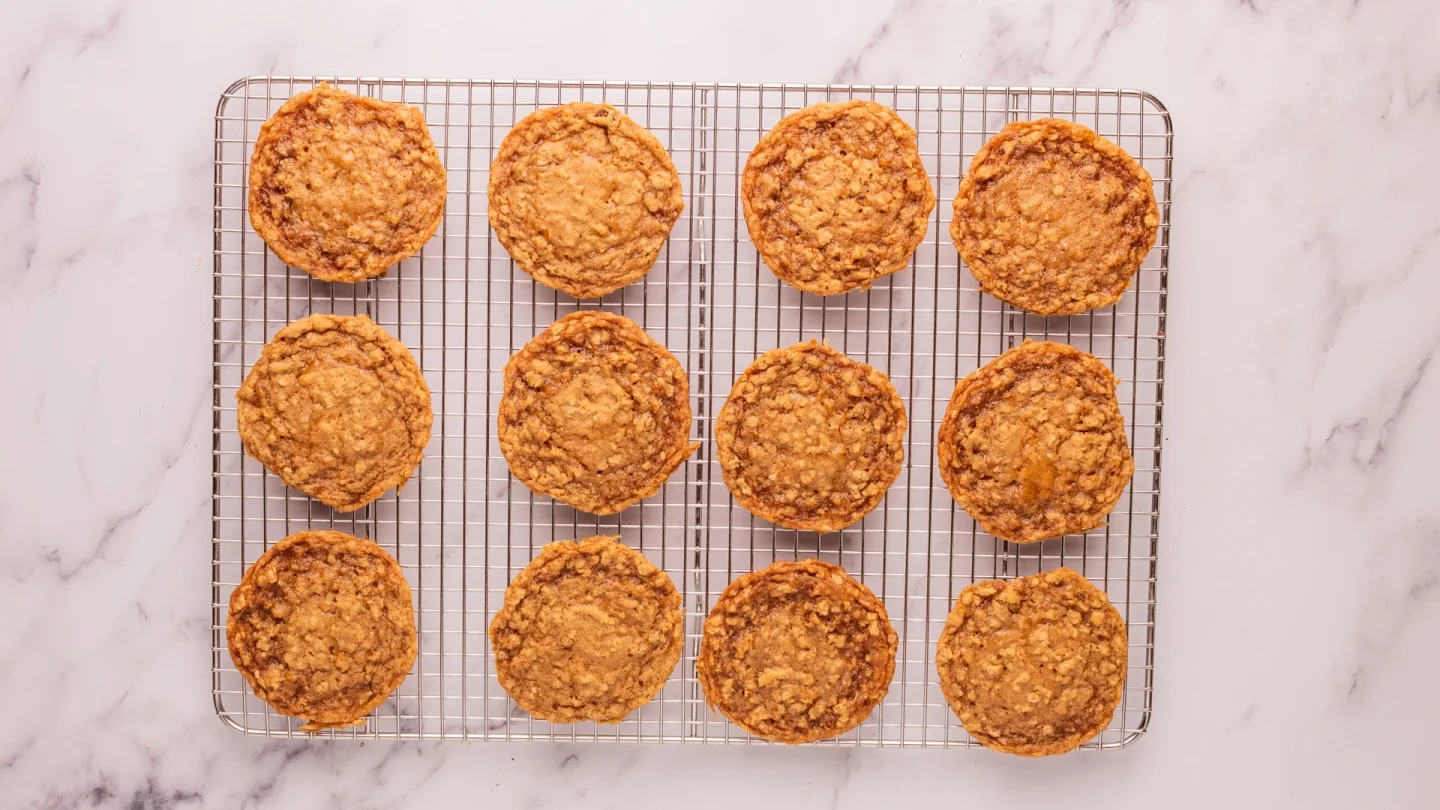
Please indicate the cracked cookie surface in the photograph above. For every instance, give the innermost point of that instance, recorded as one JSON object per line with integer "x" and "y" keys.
{"x": 1034, "y": 666}
{"x": 797, "y": 651}
{"x": 323, "y": 628}
{"x": 595, "y": 413}
{"x": 583, "y": 198}
{"x": 343, "y": 186}
{"x": 337, "y": 408}
{"x": 810, "y": 439}
{"x": 1033, "y": 444}
{"x": 836, "y": 196}
{"x": 1053, "y": 218}
{"x": 590, "y": 630}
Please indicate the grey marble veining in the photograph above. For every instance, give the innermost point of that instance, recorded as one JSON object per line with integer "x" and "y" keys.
{"x": 1301, "y": 540}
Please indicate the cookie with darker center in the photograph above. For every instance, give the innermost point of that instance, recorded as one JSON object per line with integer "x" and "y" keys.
{"x": 1033, "y": 444}
{"x": 1054, "y": 219}
{"x": 343, "y": 186}
{"x": 810, "y": 439}
{"x": 1034, "y": 666}
{"x": 836, "y": 196}
{"x": 323, "y": 628}
{"x": 595, "y": 413}
{"x": 590, "y": 630}
{"x": 337, "y": 408}
{"x": 797, "y": 651}
{"x": 583, "y": 198}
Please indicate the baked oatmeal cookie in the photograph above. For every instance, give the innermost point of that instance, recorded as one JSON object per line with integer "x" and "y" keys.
{"x": 836, "y": 196}
{"x": 1033, "y": 444}
{"x": 1034, "y": 666}
{"x": 1054, "y": 219}
{"x": 337, "y": 408}
{"x": 343, "y": 186}
{"x": 810, "y": 439}
{"x": 322, "y": 627}
{"x": 583, "y": 198}
{"x": 797, "y": 651}
{"x": 590, "y": 630}
{"x": 595, "y": 413}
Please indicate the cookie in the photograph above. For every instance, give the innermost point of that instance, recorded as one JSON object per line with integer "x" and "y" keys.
{"x": 836, "y": 196}
{"x": 797, "y": 651}
{"x": 810, "y": 439}
{"x": 343, "y": 186}
{"x": 1034, "y": 666}
{"x": 1033, "y": 445}
{"x": 590, "y": 630}
{"x": 583, "y": 198}
{"x": 1054, "y": 219}
{"x": 595, "y": 413}
{"x": 323, "y": 628}
{"x": 337, "y": 408}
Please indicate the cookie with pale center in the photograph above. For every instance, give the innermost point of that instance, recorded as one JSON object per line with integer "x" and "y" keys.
{"x": 582, "y": 198}
{"x": 337, "y": 408}
{"x": 590, "y": 630}
{"x": 595, "y": 413}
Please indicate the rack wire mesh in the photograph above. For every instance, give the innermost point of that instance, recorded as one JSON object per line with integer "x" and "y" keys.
{"x": 462, "y": 527}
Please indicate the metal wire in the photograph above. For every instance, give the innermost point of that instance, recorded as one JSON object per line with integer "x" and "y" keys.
{"x": 462, "y": 527}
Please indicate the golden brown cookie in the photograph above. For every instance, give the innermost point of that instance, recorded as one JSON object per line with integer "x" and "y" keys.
{"x": 1033, "y": 444}
{"x": 590, "y": 630}
{"x": 836, "y": 196}
{"x": 595, "y": 413}
{"x": 1033, "y": 666}
{"x": 1053, "y": 218}
{"x": 583, "y": 198}
{"x": 337, "y": 408}
{"x": 797, "y": 651}
{"x": 810, "y": 439}
{"x": 322, "y": 627}
{"x": 343, "y": 186}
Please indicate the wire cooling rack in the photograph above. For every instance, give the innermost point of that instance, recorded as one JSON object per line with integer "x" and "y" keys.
{"x": 462, "y": 527}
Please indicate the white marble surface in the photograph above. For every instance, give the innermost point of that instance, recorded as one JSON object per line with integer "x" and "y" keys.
{"x": 1299, "y": 600}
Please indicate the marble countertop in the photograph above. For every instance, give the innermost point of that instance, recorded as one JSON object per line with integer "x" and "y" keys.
{"x": 1299, "y": 597}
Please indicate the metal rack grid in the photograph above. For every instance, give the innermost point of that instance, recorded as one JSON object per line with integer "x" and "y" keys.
{"x": 462, "y": 527}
